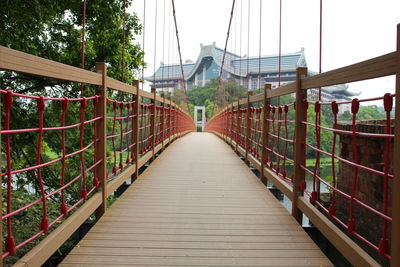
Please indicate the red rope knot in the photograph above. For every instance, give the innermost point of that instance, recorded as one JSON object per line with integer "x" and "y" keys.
{"x": 355, "y": 105}
{"x": 286, "y": 108}
{"x": 64, "y": 104}
{"x": 335, "y": 108}
{"x": 259, "y": 110}
{"x": 351, "y": 226}
{"x": 96, "y": 100}
{"x": 273, "y": 109}
{"x": 44, "y": 225}
{"x": 332, "y": 210}
{"x": 8, "y": 100}
{"x": 121, "y": 105}
{"x": 305, "y": 103}
{"x": 388, "y": 102}
{"x": 313, "y": 196}
{"x": 10, "y": 244}
{"x": 115, "y": 105}
{"x": 268, "y": 108}
{"x": 303, "y": 186}
{"x": 40, "y": 103}
{"x": 383, "y": 247}
{"x": 317, "y": 107}
{"x": 280, "y": 109}
{"x": 83, "y": 103}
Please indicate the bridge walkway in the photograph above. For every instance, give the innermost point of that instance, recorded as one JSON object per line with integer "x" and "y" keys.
{"x": 197, "y": 205}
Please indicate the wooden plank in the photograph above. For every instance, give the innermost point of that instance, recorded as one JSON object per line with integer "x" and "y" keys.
{"x": 286, "y": 89}
{"x": 113, "y": 260}
{"x": 286, "y": 188}
{"x": 120, "y": 86}
{"x": 257, "y": 98}
{"x": 39, "y": 254}
{"x": 113, "y": 185}
{"x": 17, "y": 61}
{"x": 145, "y": 94}
{"x": 197, "y": 206}
{"x": 356, "y": 255}
{"x": 373, "y": 68}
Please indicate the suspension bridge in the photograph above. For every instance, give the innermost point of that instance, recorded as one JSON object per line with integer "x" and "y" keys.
{"x": 162, "y": 194}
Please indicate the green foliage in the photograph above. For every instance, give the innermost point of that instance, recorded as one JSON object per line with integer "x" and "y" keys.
{"x": 372, "y": 112}
{"x": 52, "y": 30}
{"x": 207, "y": 95}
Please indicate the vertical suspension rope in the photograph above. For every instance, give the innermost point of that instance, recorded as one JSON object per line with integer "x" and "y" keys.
{"x": 240, "y": 45}
{"x": 248, "y": 48}
{"x": 143, "y": 41}
{"x": 83, "y": 40}
{"x": 81, "y": 154}
{"x": 179, "y": 51}
{"x": 355, "y": 105}
{"x": 155, "y": 43}
{"x": 10, "y": 241}
{"x": 320, "y": 47}
{"x": 64, "y": 106}
{"x": 123, "y": 45}
{"x": 335, "y": 111}
{"x": 384, "y": 243}
{"x": 44, "y": 224}
{"x": 280, "y": 47}
{"x": 163, "y": 47}
{"x": 259, "y": 50}
{"x": 223, "y": 57}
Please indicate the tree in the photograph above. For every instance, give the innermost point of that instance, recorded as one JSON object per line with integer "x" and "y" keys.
{"x": 52, "y": 30}
{"x": 206, "y": 95}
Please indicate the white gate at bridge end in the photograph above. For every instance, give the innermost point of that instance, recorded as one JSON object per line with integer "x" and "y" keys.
{"x": 201, "y": 121}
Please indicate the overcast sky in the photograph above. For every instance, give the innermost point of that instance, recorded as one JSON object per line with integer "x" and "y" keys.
{"x": 353, "y": 31}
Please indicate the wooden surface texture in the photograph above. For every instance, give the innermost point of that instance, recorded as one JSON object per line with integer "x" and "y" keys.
{"x": 197, "y": 205}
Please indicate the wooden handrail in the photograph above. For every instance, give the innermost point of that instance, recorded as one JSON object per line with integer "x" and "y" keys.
{"x": 381, "y": 66}
{"x": 12, "y": 60}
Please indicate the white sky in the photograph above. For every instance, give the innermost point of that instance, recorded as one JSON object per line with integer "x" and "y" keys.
{"x": 353, "y": 31}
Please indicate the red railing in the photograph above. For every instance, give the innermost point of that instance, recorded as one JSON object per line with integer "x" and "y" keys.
{"x": 105, "y": 138}
{"x": 280, "y": 139}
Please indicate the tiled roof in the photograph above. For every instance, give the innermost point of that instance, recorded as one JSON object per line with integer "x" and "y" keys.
{"x": 232, "y": 64}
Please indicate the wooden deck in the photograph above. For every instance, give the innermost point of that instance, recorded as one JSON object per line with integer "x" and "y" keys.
{"x": 198, "y": 204}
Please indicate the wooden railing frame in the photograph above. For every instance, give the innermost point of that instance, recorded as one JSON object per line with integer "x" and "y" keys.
{"x": 395, "y": 239}
{"x": 385, "y": 65}
{"x": 12, "y": 60}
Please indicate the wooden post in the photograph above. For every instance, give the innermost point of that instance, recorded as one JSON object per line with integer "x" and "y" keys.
{"x": 299, "y": 146}
{"x": 153, "y": 123}
{"x": 101, "y": 133}
{"x": 248, "y": 128}
{"x": 162, "y": 121}
{"x": 395, "y": 249}
{"x": 237, "y": 125}
{"x": 231, "y": 126}
{"x": 170, "y": 120}
{"x": 265, "y": 132}
{"x": 135, "y": 136}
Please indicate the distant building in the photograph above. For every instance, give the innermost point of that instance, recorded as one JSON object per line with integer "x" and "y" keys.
{"x": 245, "y": 70}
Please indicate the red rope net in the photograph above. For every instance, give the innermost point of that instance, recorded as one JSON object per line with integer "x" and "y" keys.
{"x": 349, "y": 179}
{"x": 76, "y": 145}
{"x": 63, "y": 194}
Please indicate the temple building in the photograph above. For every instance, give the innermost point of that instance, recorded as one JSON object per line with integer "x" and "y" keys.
{"x": 245, "y": 70}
